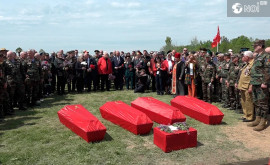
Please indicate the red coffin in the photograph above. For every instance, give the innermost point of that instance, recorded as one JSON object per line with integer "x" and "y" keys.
{"x": 197, "y": 109}
{"x": 176, "y": 140}
{"x": 126, "y": 117}
{"x": 82, "y": 122}
{"x": 158, "y": 111}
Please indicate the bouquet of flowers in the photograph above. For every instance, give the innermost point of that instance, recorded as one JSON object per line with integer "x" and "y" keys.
{"x": 174, "y": 127}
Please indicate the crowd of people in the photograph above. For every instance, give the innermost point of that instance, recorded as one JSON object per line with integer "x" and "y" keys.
{"x": 240, "y": 81}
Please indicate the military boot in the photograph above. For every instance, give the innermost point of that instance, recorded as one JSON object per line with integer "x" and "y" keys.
{"x": 261, "y": 126}
{"x": 255, "y": 122}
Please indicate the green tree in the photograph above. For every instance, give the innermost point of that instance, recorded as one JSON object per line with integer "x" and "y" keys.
{"x": 168, "y": 45}
{"x": 240, "y": 42}
{"x": 225, "y": 44}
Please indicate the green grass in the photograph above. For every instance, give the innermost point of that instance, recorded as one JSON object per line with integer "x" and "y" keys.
{"x": 37, "y": 137}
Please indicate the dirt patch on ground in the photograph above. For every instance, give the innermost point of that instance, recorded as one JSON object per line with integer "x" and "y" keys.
{"x": 251, "y": 139}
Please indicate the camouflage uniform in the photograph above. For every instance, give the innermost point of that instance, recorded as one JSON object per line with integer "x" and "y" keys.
{"x": 2, "y": 90}
{"x": 233, "y": 92}
{"x": 260, "y": 74}
{"x": 208, "y": 71}
{"x": 219, "y": 66}
{"x": 224, "y": 75}
{"x": 15, "y": 75}
{"x": 201, "y": 63}
{"x": 33, "y": 73}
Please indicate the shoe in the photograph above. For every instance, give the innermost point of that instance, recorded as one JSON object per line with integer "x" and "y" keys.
{"x": 261, "y": 126}
{"x": 242, "y": 118}
{"x": 246, "y": 120}
{"x": 256, "y": 122}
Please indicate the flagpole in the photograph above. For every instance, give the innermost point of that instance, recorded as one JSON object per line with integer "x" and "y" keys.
{"x": 217, "y": 46}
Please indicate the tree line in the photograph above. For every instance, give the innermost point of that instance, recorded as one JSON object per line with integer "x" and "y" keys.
{"x": 235, "y": 44}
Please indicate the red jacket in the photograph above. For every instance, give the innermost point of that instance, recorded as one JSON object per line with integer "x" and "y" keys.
{"x": 166, "y": 65}
{"x": 102, "y": 68}
{"x": 162, "y": 68}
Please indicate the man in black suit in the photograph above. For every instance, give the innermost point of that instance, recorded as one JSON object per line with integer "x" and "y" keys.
{"x": 118, "y": 70}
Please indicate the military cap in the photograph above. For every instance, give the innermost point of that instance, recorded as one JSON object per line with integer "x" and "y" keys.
{"x": 220, "y": 54}
{"x": 96, "y": 51}
{"x": 3, "y": 49}
{"x": 235, "y": 55}
{"x": 259, "y": 42}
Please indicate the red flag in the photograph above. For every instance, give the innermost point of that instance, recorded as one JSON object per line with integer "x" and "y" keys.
{"x": 216, "y": 40}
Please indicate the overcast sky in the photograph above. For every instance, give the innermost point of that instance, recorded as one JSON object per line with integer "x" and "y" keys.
{"x": 118, "y": 25}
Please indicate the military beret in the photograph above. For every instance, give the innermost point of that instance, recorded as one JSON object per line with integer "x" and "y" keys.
{"x": 243, "y": 49}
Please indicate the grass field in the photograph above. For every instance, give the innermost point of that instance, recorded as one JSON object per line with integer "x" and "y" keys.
{"x": 37, "y": 137}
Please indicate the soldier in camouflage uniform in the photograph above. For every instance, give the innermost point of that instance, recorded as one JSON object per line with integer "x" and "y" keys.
{"x": 200, "y": 61}
{"x": 15, "y": 75}
{"x": 224, "y": 75}
{"x": 32, "y": 80}
{"x": 219, "y": 65}
{"x": 260, "y": 78}
{"x": 208, "y": 70}
{"x": 232, "y": 77}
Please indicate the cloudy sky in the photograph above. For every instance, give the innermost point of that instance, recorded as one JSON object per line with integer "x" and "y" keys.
{"x": 118, "y": 25}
